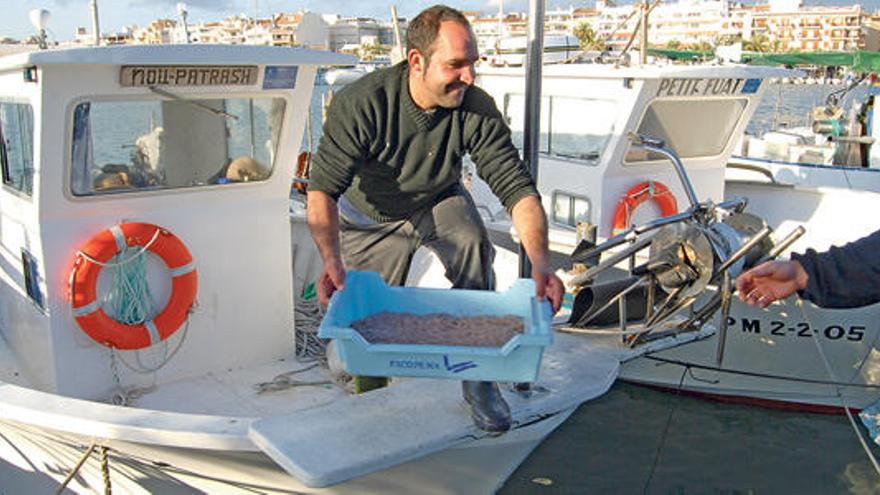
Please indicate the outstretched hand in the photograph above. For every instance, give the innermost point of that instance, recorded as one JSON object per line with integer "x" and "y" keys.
{"x": 550, "y": 286}
{"x": 770, "y": 282}
{"x": 330, "y": 280}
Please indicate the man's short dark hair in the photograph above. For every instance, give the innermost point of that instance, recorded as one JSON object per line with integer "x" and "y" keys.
{"x": 422, "y": 30}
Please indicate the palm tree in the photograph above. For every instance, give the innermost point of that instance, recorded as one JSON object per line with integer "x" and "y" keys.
{"x": 776, "y": 46}
{"x": 587, "y": 38}
{"x": 701, "y": 46}
{"x": 758, "y": 43}
{"x": 728, "y": 39}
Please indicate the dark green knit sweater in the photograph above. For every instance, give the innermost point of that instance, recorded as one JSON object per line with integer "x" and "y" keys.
{"x": 390, "y": 158}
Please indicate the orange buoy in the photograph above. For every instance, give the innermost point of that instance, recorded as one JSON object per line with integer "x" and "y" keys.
{"x": 97, "y": 324}
{"x": 638, "y": 194}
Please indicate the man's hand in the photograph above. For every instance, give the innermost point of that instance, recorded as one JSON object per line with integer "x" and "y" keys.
{"x": 531, "y": 225}
{"x": 548, "y": 285}
{"x": 330, "y": 280}
{"x": 770, "y": 282}
{"x": 323, "y": 218}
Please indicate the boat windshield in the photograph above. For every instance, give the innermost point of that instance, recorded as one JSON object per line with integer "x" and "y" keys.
{"x": 699, "y": 128}
{"x": 142, "y": 144}
{"x": 568, "y": 129}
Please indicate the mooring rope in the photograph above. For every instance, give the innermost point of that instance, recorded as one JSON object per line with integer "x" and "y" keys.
{"x": 664, "y": 433}
{"x": 843, "y": 402}
{"x": 73, "y": 472}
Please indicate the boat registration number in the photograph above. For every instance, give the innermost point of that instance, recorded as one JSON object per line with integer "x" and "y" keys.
{"x": 852, "y": 333}
{"x": 188, "y": 75}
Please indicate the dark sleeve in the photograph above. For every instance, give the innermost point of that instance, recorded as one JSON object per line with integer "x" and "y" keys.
{"x": 487, "y": 139}
{"x": 843, "y": 277}
{"x": 345, "y": 144}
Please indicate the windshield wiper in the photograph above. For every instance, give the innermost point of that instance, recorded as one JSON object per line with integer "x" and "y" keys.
{"x": 168, "y": 94}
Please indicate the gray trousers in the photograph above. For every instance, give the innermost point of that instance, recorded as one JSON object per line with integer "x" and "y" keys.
{"x": 451, "y": 228}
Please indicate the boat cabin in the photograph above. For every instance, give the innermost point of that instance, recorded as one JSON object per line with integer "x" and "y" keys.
{"x": 197, "y": 142}
{"x": 587, "y": 161}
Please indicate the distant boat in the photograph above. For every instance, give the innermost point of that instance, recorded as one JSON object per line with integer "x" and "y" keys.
{"x": 838, "y": 147}
{"x": 511, "y": 51}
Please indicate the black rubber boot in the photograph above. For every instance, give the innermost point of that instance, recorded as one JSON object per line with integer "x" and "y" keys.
{"x": 489, "y": 410}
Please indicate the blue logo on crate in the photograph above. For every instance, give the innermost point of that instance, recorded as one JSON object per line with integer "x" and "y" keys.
{"x": 458, "y": 367}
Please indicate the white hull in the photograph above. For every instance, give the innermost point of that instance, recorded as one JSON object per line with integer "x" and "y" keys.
{"x": 37, "y": 460}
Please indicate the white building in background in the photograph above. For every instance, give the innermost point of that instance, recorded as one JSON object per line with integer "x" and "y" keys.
{"x": 158, "y": 32}
{"x": 684, "y": 22}
{"x": 349, "y": 30}
{"x": 312, "y": 32}
{"x": 358, "y": 31}
{"x": 793, "y": 27}
{"x": 488, "y": 30}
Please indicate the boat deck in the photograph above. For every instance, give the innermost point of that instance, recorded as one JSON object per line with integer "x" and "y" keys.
{"x": 237, "y": 392}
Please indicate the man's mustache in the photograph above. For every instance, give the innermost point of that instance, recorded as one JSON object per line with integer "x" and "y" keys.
{"x": 453, "y": 86}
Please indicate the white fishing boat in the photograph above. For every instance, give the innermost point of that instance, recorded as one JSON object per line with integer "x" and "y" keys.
{"x": 595, "y": 184}
{"x": 510, "y": 51}
{"x": 837, "y": 145}
{"x": 177, "y": 158}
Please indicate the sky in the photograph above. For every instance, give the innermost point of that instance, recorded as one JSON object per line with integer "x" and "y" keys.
{"x": 115, "y": 14}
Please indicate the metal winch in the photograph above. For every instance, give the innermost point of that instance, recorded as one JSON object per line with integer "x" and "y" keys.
{"x": 679, "y": 270}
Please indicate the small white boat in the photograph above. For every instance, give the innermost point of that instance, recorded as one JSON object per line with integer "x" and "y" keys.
{"x": 186, "y": 152}
{"x": 511, "y": 50}
{"x": 837, "y": 148}
{"x": 588, "y": 174}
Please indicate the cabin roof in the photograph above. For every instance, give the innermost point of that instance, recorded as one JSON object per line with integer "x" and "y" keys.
{"x": 177, "y": 55}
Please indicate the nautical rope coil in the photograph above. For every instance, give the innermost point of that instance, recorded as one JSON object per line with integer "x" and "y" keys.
{"x": 97, "y": 253}
{"x": 638, "y": 194}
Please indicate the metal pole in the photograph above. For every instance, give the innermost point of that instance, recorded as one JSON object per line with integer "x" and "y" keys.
{"x": 185, "y": 28}
{"x": 643, "y": 34}
{"x": 95, "y": 24}
{"x": 398, "y": 42}
{"x": 532, "y": 127}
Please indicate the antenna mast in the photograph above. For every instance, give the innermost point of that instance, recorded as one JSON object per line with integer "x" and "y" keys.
{"x": 95, "y": 25}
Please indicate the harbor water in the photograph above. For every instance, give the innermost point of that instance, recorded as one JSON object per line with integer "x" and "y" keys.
{"x": 639, "y": 440}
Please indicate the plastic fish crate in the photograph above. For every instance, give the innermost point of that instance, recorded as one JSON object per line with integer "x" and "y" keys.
{"x": 366, "y": 293}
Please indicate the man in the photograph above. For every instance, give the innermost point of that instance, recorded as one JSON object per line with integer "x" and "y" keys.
{"x": 393, "y": 144}
{"x": 842, "y": 277}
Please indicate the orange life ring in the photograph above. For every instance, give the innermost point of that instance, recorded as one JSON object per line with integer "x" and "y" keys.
{"x": 92, "y": 319}
{"x": 638, "y": 194}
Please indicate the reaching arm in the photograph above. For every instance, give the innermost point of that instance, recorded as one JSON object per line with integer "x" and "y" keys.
{"x": 841, "y": 277}
{"x": 530, "y": 223}
{"x": 323, "y": 218}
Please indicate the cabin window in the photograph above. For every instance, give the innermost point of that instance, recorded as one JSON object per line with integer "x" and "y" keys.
{"x": 565, "y": 132}
{"x": 137, "y": 145}
{"x": 569, "y": 209}
{"x": 692, "y": 128}
{"x": 17, "y": 150}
